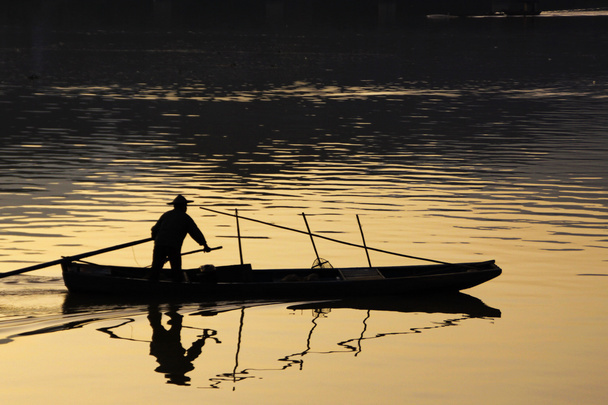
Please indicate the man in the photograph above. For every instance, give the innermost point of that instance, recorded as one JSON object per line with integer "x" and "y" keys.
{"x": 169, "y": 233}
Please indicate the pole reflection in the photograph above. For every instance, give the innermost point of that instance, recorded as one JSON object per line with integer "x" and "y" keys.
{"x": 177, "y": 345}
{"x": 176, "y": 362}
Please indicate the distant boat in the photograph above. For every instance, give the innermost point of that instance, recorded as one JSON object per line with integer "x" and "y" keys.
{"x": 241, "y": 281}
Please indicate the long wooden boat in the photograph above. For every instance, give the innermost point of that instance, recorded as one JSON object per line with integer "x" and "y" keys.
{"x": 241, "y": 281}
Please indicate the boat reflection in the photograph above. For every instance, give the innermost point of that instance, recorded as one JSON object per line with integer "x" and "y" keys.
{"x": 456, "y": 303}
{"x": 465, "y": 305}
{"x": 175, "y": 361}
{"x": 184, "y": 334}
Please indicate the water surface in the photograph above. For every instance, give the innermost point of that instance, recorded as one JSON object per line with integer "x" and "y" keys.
{"x": 455, "y": 140}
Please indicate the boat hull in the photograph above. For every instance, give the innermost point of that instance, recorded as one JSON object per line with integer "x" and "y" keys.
{"x": 240, "y": 281}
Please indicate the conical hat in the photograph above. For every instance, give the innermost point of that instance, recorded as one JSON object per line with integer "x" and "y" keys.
{"x": 179, "y": 200}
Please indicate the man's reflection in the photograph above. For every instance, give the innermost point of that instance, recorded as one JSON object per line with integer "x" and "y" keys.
{"x": 174, "y": 361}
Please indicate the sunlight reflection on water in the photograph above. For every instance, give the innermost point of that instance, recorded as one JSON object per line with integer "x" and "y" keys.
{"x": 517, "y": 171}
{"x": 478, "y": 139}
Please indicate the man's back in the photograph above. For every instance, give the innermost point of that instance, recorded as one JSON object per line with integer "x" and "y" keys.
{"x": 172, "y": 228}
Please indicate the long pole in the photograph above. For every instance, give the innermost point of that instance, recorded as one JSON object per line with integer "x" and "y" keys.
{"x": 332, "y": 239}
{"x": 238, "y": 233}
{"x": 72, "y": 258}
{"x": 364, "y": 244}
{"x": 311, "y": 239}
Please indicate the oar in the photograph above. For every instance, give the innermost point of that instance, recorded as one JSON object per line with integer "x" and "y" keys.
{"x": 193, "y": 251}
{"x": 202, "y": 250}
{"x": 72, "y": 258}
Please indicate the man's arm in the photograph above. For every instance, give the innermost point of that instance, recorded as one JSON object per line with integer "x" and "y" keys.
{"x": 197, "y": 235}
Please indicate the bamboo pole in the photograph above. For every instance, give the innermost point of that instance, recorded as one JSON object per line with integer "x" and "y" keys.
{"x": 364, "y": 244}
{"x": 238, "y": 233}
{"x": 75, "y": 257}
{"x": 331, "y": 239}
{"x": 311, "y": 239}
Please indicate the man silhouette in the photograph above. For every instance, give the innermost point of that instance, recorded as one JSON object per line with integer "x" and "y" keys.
{"x": 169, "y": 233}
{"x": 173, "y": 359}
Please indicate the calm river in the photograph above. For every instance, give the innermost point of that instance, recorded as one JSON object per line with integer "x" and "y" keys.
{"x": 451, "y": 139}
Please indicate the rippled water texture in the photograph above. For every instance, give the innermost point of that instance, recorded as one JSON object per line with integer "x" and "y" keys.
{"x": 453, "y": 139}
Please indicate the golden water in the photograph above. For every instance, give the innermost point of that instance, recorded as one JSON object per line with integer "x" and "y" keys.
{"x": 457, "y": 140}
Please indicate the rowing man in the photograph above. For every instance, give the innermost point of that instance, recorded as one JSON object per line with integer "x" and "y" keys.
{"x": 169, "y": 233}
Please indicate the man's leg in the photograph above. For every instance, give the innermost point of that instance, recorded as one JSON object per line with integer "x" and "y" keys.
{"x": 175, "y": 259}
{"x": 159, "y": 255}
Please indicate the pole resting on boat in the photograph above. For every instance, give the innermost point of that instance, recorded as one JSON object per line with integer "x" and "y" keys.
{"x": 364, "y": 244}
{"x": 332, "y": 239}
{"x": 238, "y": 234}
{"x": 311, "y": 238}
